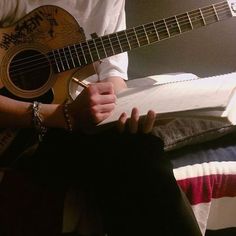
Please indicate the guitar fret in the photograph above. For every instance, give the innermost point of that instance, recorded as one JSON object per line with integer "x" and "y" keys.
{"x": 100, "y": 48}
{"x": 111, "y": 44}
{"x": 161, "y": 29}
{"x": 210, "y": 15}
{"x": 184, "y": 23}
{"x": 107, "y": 45}
{"x": 82, "y": 50}
{"x": 151, "y": 33}
{"x": 91, "y": 56}
{"x": 196, "y": 18}
{"x": 135, "y": 33}
{"x": 63, "y": 68}
{"x": 93, "y": 53}
{"x": 96, "y": 49}
{"x": 86, "y": 53}
{"x": 214, "y": 9}
{"x": 203, "y": 19}
{"x": 81, "y": 55}
{"x": 123, "y": 41}
{"x": 72, "y": 59}
{"x": 68, "y": 58}
{"x": 126, "y": 36}
{"x": 190, "y": 20}
{"x": 145, "y": 32}
{"x": 118, "y": 40}
{"x": 166, "y": 28}
{"x": 132, "y": 39}
{"x": 141, "y": 34}
{"x": 172, "y": 26}
{"x": 115, "y": 43}
{"x": 158, "y": 37}
{"x": 65, "y": 57}
{"x": 103, "y": 47}
{"x": 77, "y": 55}
{"x": 180, "y": 31}
{"x": 74, "y": 62}
{"x": 55, "y": 59}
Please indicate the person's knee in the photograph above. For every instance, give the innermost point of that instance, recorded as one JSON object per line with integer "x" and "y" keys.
{"x": 143, "y": 143}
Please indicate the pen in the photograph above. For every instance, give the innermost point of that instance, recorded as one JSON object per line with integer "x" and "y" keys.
{"x": 81, "y": 83}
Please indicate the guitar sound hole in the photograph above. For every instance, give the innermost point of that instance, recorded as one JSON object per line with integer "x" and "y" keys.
{"x": 29, "y": 70}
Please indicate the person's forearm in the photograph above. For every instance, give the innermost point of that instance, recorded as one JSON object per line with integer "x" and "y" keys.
{"x": 15, "y": 113}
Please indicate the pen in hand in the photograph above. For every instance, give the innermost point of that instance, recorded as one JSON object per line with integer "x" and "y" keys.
{"x": 81, "y": 83}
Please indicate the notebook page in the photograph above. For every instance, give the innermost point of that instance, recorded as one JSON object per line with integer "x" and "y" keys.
{"x": 211, "y": 93}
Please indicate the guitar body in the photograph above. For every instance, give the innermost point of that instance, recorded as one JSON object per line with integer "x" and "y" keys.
{"x": 32, "y": 38}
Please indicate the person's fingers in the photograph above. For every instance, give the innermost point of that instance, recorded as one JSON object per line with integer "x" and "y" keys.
{"x": 122, "y": 122}
{"x": 103, "y": 88}
{"x": 133, "y": 124}
{"x": 100, "y": 117}
{"x": 104, "y": 108}
{"x": 149, "y": 122}
{"x": 101, "y": 93}
{"x": 134, "y": 121}
{"x": 104, "y": 99}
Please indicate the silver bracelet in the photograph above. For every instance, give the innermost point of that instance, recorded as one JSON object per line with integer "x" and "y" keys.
{"x": 37, "y": 121}
{"x": 69, "y": 126}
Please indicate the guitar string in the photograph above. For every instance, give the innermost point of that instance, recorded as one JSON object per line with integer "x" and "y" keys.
{"x": 45, "y": 62}
{"x": 159, "y": 31}
{"x": 163, "y": 27}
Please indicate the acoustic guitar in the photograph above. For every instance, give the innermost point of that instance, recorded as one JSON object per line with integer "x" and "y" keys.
{"x": 42, "y": 51}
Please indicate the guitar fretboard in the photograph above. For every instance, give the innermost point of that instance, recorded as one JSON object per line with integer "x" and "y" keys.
{"x": 84, "y": 53}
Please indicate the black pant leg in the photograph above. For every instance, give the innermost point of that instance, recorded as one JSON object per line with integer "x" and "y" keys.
{"x": 140, "y": 194}
{"x": 132, "y": 181}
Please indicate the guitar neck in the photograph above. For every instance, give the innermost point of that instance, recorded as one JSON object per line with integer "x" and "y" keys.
{"x": 84, "y": 53}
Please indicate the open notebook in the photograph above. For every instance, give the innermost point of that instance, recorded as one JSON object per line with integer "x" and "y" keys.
{"x": 195, "y": 104}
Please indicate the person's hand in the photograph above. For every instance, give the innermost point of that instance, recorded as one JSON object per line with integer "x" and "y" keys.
{"x": 93, "y": 105}
{"x": 135, "y": 124}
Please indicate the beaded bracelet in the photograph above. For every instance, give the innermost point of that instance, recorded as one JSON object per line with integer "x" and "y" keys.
{"x": 38, "y": 121}
{"x": 69, "y": 126}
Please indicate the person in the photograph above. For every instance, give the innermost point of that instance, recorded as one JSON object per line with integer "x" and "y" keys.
{"x": 122, "y": 169}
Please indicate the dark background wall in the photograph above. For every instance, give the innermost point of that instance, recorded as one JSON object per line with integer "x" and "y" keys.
{"x": 206, "y": 51}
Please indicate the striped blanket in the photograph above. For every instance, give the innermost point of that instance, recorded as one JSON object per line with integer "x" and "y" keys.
{"x": 207, "y": 174}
